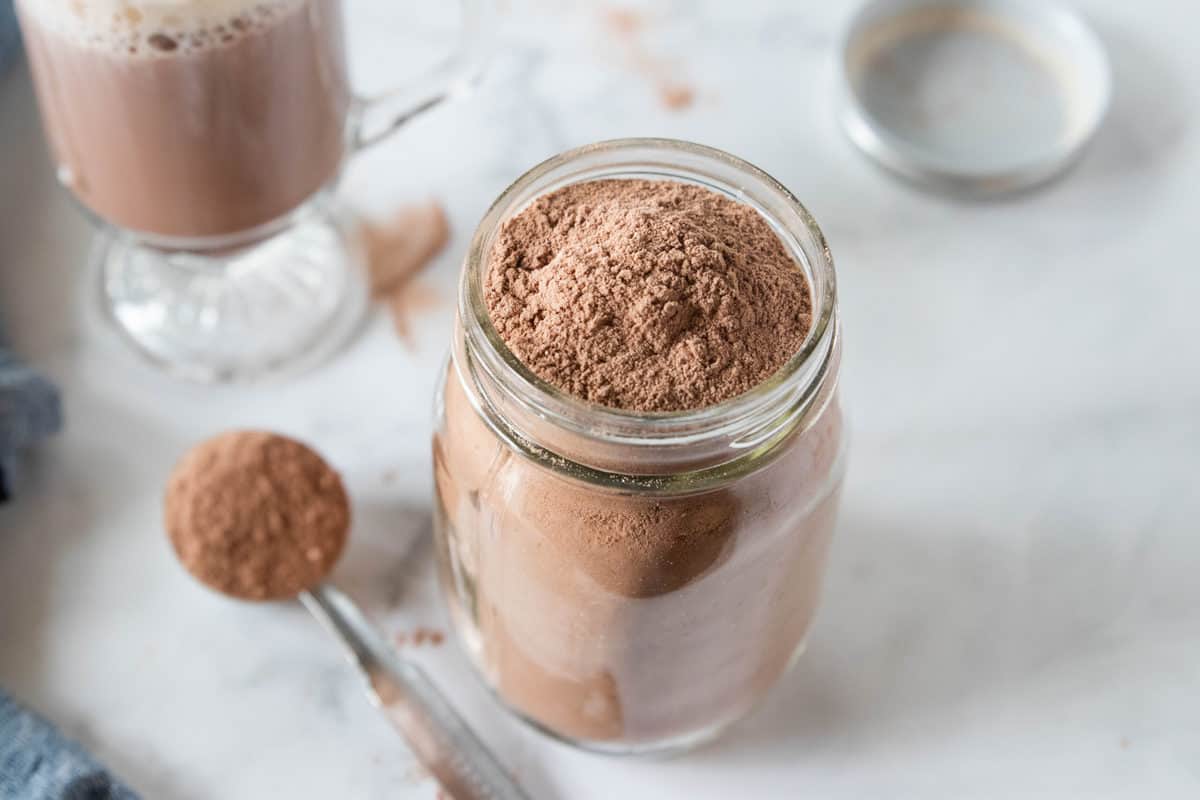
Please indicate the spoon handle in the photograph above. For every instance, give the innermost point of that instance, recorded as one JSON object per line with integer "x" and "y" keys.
{"x": 438, "y": 736}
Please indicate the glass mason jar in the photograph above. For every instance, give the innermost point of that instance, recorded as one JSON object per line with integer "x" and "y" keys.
{"x": 634, "y": 582}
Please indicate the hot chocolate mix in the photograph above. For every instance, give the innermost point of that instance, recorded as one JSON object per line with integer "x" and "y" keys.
{"x": 398, "y": 249}
{"x": 256, "y": 515}
{"x": 646, "y": 295}
{"x": 618, "y": 616}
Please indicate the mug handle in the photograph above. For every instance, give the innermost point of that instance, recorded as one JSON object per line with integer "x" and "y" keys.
{"x": 375, "y": 118}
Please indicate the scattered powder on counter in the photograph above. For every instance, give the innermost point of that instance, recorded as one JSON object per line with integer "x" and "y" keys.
{"x": 414, "y": 299}
{"x": 256, "y": 515}
{"x": 676, "y": 96}
{"x": 397, "y": 251}
{"x": 419, "y": 637}
{"x": 646, "y": 295}
{"x": 623, "y": 21}
{"x": 627, "y": 26}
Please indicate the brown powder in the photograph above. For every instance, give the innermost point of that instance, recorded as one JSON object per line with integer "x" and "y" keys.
{"x": 420, "y": 636}
{"x": 646, "y": 295}
{"x": 676, "y": 96}
{"x": 256, "y": 515}
{"x": 413, "y": 299}
{"x": 400, "y": 247}
{"x": 617, "y": 616}
{"x": 626, "y": 27}
{"x": 397, "y": 251}
{"x": 623, "y": 21}
{"x": 605, "y": 613}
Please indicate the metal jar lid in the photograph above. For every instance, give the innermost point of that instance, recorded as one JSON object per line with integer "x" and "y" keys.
{"x": 973, "y": 96}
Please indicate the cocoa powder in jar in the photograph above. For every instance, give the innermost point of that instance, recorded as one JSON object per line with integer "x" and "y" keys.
{"x": 621, "y": 617}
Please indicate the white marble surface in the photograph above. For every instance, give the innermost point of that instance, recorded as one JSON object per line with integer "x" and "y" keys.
{"x": 1013, "y": 606}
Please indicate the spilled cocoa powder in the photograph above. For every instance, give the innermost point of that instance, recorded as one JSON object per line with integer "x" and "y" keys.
{"x": 646, "y": 295}
{"x": 623, "y": 21}
{"x": 407, "y": 304}
{"x": 398, "y": 249}
{"x": 419, "y": 637}
{"x": 676, "y": 96}
{"x": 256, "y": 515}
{"x": 627, "y": 27}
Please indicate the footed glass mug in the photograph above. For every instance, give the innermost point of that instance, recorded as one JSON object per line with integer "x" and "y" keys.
{"x": 204, "y": 135}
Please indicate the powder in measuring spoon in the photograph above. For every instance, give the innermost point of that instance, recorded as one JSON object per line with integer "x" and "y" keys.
{"x": 256, "y": 515}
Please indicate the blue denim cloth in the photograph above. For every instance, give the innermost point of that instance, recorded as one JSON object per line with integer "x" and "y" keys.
{"x": 29, "y": 407}
{"x": 29, "y": 411}
{"x": 10, "y": 41}
{"x": 38, "y": 763}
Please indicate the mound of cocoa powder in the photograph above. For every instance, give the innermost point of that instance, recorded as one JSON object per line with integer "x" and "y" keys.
{"x": 612, "y": 615}
{"x": 256, "y": 515}
{"x": 646, "y": 295}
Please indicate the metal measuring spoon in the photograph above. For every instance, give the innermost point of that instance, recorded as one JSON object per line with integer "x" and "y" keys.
{"x": 259, "y": 516}
{"x": 442, "y": 741}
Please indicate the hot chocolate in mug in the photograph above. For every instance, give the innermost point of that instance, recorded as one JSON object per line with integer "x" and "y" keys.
{"x": 204, "y": 136}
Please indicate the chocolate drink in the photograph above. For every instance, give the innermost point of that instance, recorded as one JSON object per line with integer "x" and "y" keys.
{"x": 191, "y": 117}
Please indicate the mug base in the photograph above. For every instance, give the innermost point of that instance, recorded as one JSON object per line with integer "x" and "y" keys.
{"x": 277, "y": 305}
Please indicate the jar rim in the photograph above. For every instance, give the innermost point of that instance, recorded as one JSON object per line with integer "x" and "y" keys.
{"x": 745, "y": 426}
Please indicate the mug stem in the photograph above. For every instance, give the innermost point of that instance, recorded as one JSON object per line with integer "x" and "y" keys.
{"x": 375, "y": 118}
